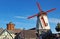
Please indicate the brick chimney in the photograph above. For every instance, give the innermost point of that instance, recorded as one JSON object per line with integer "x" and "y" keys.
{"x": 10, "y": 26}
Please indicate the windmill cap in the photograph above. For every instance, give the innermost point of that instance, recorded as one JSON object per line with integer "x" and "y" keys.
{"x": 11, "y": 23}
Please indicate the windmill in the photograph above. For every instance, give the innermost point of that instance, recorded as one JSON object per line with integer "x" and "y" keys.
{"x": 42, "y": 19}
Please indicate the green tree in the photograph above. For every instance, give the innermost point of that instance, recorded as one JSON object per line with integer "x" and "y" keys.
{"x": 58, "y": 27}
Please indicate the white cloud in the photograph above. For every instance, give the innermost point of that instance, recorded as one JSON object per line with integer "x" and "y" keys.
{"x": 51, "y": 20}
{"x": 54, "y": 20}
{"x": 20, "y": 17}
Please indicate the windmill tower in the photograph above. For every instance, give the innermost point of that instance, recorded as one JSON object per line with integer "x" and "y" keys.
{"x": 42, "y": 20}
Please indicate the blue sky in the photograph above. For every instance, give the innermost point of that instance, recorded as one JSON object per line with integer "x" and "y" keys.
{"x": 17, "y": 11}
